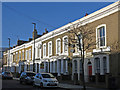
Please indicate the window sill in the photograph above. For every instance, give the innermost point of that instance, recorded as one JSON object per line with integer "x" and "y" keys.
{"x": 107, "y": 49}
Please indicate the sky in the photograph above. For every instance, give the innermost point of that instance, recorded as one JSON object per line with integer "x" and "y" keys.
{"x": 17, "y": 17}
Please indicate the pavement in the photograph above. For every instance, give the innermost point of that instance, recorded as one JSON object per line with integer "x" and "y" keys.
{"x": 71, "y": 86}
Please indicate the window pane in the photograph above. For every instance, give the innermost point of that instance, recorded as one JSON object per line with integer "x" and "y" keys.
{"x": 50, "y": 48}
{"x": 101, "y": 36}
{"x": 44, "y": 48}
{"x": 103, "y": 31}
{"x": 58, "y": 46}
{"x": 97, "y": 60}
{"x": 105, "y": 64}
{"x": 65, "y": 44}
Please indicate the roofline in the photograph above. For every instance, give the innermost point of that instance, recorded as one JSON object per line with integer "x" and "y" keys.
{"x": 83, "y": 19}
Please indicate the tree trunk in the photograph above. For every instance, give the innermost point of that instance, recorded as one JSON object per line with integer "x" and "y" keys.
{"x": 84, "y": 86}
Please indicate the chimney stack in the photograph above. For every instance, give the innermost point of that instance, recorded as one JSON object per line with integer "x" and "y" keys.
{"x": 86, "y": 14}
{"x": 46, "y": 30}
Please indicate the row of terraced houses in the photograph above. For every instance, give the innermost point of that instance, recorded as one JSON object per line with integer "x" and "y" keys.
{"x": 52, "y": 54}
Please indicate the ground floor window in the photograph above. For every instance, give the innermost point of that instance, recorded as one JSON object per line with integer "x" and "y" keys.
{"x": 104, "y": 65}
{"x": 97, "y": 65}
{"x": 75, "y": 66}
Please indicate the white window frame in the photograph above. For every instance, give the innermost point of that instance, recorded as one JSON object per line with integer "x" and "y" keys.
{"x": 38, "y": 52}
{"x": 26, "y": 54}
{"x": 44, "y": 53}
{"x": 39, "y": 46}
{"x": 104, "y": 65}
{"x": 57, "y": 46}
{"x": 97, "y": 65}
{"x": 22, "y": 54}
{"x": 64, "y": 44}
{"x": 19, "y": 55}
{"x": 29, "y": 53}
{"x": 16, "y": 57}
{"x": 98, "y": 45}
{"x": 49, "y": 53}
{"x": 77, "y": 47}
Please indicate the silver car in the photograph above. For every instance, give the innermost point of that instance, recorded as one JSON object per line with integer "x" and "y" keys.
{"x": 45, "y": 80}
{"x": 7, "y": 75}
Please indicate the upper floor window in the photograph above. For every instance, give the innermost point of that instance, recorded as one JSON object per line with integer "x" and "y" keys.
{"x": 29, "y": 53}
{"x": 16, "y": 56}
{"x": 79, "y": 42}
{"x": 44, "y": 50}
{"x": 19, "y": 55}
{"x": 23, "y": 55}
{"x": 26, "y": 54}
{"x": 38, "y": 52}
{"x": 65, "y": 44}
{"x": 58, "y": 46}
{"x": 13, "y": 57}
{"x": 101, "y": 35}
{"x": 50, "y": 48}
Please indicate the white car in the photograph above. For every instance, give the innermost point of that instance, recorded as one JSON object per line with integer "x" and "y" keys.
{"x": 45, "y": 80}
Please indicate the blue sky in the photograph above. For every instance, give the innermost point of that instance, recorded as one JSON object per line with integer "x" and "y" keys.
{"x": 17, "y": 17}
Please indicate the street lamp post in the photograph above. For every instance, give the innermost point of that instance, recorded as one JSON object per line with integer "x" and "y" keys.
{"x": 34, "y": 48}
{"x": 9, "y": 55}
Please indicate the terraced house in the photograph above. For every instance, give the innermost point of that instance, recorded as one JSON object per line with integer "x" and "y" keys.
{"x": 53, "y": 53}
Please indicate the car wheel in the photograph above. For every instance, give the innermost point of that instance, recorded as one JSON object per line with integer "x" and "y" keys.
{"x": 41, "y": 85}
{"x": 20, "y": 82}
{"x": 26, "y": 82}
{"x": 3, "y": 78}
{"x": 34, "y": 84}
{"x": 12, "y": 78}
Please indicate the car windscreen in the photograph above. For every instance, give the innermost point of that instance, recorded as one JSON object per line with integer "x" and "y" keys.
{"x": 7, "y": 73}
{"x": 47, "y": 76}
{"x": 30, "y": 74}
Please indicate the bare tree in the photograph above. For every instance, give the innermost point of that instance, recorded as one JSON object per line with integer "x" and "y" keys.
{"x": 83, "y": 38}
{"x": 115, "y": 47}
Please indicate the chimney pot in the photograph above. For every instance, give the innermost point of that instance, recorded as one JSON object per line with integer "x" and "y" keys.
{"x": 86, "y": 14}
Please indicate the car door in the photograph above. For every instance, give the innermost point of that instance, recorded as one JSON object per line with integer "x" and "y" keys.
{"x": 37, "y": 79}
{"x": 40, "y": 79}
{"x": 21, "y": 77}
{"x": 24, "y": 76}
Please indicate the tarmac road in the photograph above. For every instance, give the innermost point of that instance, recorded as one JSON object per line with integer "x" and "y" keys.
{"x": 15, "y": 85}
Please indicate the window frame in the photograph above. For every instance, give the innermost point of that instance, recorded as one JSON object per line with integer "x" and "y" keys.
{"x": 97, "y": 65}
{"x": 49, "y": 54}
{"x": 29, "y": 53}
{"x": 19, "y": 55}
{"x": 44, "y": 53}
{"x": 26, "y": 54}
{"x": 97, "y": 31}
{"x": 104, "y": 64}
{"x": 57, "y": 46}
{"x": 64, "y": 44}
{"x": 23, "y": 55}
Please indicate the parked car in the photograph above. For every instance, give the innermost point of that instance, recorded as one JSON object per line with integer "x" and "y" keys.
{"x": 45, "y": 80}
{"x": 27, "y": 77}
{"x": 7, "y": 75}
